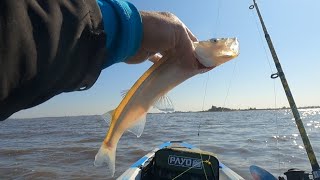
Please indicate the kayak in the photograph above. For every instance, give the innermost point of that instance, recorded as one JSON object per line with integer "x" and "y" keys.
{"x": 181, "y": 161}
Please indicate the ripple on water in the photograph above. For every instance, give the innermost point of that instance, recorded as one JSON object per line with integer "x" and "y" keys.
{"x": 64, "y": 148}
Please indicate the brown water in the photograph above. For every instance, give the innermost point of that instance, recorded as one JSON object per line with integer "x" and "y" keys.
{"x": 64, "y": 148}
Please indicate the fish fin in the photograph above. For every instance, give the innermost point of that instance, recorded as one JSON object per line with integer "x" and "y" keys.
{"x": 124, "y": 93}
{"x": 137, "y": 129}
{"x": 111, "y": 112}
{"x": 107, "y": 116}
{"x": 106, "y": 156}
{"x": 164, "y": 103}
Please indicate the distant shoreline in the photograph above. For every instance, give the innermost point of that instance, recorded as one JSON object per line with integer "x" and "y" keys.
{"x": 212, "y": 109}
{"x": 223, "y": 109}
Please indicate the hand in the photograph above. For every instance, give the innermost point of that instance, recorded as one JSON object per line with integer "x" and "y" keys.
{"x": 163, "y": 33}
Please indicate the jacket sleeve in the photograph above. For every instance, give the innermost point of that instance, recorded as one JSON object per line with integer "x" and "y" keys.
{"x": 123, "y": 24}
{"x": 46, "y": 48}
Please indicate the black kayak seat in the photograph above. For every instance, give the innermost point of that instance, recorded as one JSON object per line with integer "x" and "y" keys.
{"x": 181, "y": 163}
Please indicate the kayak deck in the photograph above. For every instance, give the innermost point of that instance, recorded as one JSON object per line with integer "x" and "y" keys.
{"x": 179, "y": 160}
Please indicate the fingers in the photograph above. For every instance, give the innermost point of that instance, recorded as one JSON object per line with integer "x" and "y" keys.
{"x": 140, "y": 56}
{"x": 163, "y": 32}
{"x": 191, "y": 35}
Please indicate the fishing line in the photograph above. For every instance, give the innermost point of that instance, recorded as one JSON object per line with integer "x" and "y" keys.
{"x": 277, "y": 128}
{"x": 199, "y": 139}
{"x": 217, "y": 20}
{"x": 274, "y": 90}
{"x": 215, "y": 32}
{"x": 199, "y": 122}
{"x": 199, "y": 126}
{"x": 194, "y": 165}
{"x": 203, "y": 100}
{"x": 229, "y": 85}
{"x": 261, "y": 41}
{"x": 205, "y": 90}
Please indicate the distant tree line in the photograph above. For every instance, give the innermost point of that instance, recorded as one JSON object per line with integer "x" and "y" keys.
{"x": 219, "y": 109}
{"x": 224, "y": 109}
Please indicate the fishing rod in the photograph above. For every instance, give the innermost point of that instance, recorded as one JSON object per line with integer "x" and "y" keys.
{"x": 302, "y": 131}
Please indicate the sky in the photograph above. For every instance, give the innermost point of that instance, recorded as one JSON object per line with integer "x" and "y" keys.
{"x": 241, "y": 83}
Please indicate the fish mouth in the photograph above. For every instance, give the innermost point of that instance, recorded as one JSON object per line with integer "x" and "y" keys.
{"x": 235, "y": 48}
{"x": 232, "y": 48}
{"x": 216, "y": 51}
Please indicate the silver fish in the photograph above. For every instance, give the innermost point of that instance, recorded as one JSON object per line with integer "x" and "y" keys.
{"x": 161, "y": 77}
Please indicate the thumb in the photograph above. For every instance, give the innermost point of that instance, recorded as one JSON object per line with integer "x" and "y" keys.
{"x": 155, "y": 58}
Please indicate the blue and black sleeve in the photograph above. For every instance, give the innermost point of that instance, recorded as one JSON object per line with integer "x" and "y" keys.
{"x": 123, "y": 26}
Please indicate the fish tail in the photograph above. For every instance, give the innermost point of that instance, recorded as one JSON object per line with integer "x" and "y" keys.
{"x": 106, "y": 156}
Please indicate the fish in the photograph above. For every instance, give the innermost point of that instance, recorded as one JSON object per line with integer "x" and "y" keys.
{"x": 158, "y": 80}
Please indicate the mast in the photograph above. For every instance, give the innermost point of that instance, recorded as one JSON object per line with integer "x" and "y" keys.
{"x": 302, "y": 131}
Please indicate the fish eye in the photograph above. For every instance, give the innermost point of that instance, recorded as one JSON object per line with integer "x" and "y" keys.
{"x": 215, "y": 40}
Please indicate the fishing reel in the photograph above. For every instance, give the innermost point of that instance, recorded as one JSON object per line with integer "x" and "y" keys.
{"x": 296, "y": 174}
{"x": 292, "y": 174}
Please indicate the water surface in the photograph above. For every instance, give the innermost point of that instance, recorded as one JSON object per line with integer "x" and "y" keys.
{"x": 64, "y": 147}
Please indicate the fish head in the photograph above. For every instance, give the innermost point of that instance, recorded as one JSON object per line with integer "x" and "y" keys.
{"x": 216, "y": 51}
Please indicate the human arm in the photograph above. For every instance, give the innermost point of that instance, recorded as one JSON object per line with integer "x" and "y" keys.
{"x": 46, "y": 48}
{"x": 51, "y": 47}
